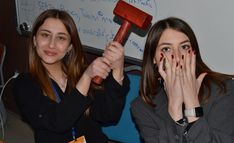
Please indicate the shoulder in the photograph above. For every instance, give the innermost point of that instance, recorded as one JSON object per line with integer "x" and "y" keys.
{"x": 227, "y": 90}
{"x": 225, "y": 82}
{"x": 24, "y": 80}
{"x": 145, "y": 115}
{"x": 139, "y": 105}
{"x": 23, "y": 77}
{"x": 229, "y": 83}
{"x": 137, "y": 102}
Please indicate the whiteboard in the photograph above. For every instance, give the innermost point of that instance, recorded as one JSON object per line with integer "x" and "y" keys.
{"x": 211, "y": 20}
{"x": 94, "y": 20}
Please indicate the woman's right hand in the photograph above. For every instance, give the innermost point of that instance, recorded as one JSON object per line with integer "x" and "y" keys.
{"x": 169, "y": 70}
{"x": 99, "y": 67}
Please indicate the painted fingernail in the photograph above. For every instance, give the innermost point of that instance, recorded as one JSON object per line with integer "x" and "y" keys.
{"x": 194, "y": 52}
{"x": 164, "y": 64}
{"x": 172, "y": 56}
{"x": 177, "y": 64}
{"x": 182, "y": 57}
{"x": 161, "y": 54}
{"x": 161, "y": 59}
{"x": 181, "y": 66}
{"x": 189, "y": 51}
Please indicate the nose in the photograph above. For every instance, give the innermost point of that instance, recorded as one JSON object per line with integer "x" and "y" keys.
{"x": 177, "y": 55}
{"x": 52, "y": 43}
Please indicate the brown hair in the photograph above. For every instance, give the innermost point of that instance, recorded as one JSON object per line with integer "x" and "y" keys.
{"x": 149, "y": 81}
{"x": 73, "y": 63}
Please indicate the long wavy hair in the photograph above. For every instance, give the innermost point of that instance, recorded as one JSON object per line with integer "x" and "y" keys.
{"x": 72, "y": 64}
{"x": 150, "y": 85}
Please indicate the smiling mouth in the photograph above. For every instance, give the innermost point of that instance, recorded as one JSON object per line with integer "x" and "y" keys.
{"x": 49, "y": 53}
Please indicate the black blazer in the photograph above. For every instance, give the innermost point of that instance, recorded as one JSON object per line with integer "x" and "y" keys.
{"x": 52, "y": 122}
{"x": 216, "y": 126}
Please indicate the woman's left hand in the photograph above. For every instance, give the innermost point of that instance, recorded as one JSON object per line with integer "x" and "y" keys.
{"x": 114, "y": 53}
{"x": 191, "y": 84}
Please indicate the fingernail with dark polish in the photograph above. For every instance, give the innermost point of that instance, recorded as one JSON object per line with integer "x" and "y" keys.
{"x": 161, "y": 59}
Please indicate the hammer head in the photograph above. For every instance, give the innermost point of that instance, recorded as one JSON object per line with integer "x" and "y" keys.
{"x": 132, "y": 14}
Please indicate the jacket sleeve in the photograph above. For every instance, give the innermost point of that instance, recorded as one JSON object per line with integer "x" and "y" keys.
{"x": 109, "y": 102}
{"x": 217, "y": 124}
{"x": 43, "y": 113}
{"x": 151, "y": 127}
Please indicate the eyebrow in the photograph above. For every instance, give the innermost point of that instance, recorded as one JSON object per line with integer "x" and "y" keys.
{"x": 185, "y": 41}
{"x": 171, "y": 44}
{"x": 164, "y": 44}
{"x": 60, "y": 33}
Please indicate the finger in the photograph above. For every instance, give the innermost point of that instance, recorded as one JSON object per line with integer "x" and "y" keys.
{"x": 106, "y": 61}
{"x": 114, "y": 52}
{"x": 109, "y": 48}
{"x": 112, "y": 49}
{"x": 181, "y": 74}
{"x": 115, "y": 47}
{"x": 167, "y": 66}
{"x": 188, "y": 63}
{"x": 182, "y": 62}
{"x": 102, "y": 71}
{"x": 98, "y": 72}
{"x": 177, "y": 70}
{"x": 201, "y": 77}
{"x": 107, "y": 45}
{"x": 193, "y": 63}
{"x": 173, "y": 67}
{"x": 182, "y": 69}
{"x": 116, "y": 44}
{"x": 160, "y": 68}
{"x": 108, "y": 56}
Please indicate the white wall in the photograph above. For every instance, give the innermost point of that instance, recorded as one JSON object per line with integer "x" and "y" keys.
{"x": 213, "y": 24}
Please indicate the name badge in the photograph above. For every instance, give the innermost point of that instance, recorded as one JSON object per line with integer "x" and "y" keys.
{"x": 79, "y": 140}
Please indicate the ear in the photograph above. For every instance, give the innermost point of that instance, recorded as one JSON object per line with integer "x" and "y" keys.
{"x": 154, "y": 61}
{"x": 34, "y": 41}
{"x": 69, "y": 48}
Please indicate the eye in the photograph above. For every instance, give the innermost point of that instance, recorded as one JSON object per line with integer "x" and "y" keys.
{"x": 62, "y": 38}
{"x": 186, "y": 46}
{"x": 165, "y": 49}
{"x": 44, "y": 35}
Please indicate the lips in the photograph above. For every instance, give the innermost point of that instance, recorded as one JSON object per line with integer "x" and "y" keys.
{"x": 50, "y": 53}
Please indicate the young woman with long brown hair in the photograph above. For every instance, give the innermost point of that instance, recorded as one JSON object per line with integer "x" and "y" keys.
{"x": 57, "y": 97}
{"x": 181, "y": 99}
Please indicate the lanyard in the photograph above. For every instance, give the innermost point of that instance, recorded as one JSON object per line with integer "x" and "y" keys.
{"x": 58, "y": 99}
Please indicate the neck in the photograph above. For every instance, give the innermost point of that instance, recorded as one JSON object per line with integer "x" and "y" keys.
{"x": 61, "y": 80}
{"x": 54, "y": 68}
{"x": 57, "y": 74}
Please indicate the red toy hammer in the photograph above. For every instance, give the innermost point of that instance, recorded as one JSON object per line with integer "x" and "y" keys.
{"x": 130, "y": 15}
